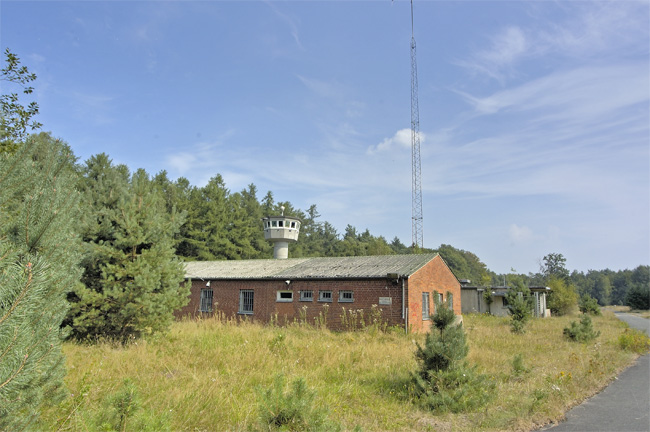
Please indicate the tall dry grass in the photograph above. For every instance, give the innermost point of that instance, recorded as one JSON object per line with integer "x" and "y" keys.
{"x": 203, "y": 375}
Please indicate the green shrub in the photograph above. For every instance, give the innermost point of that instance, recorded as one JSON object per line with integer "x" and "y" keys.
{"x": 582, "y": 332}
{"x": 518, "y": 367}
{"x": 458, "y": 389}
{"x": 520, "y": 306}
{"x": 589, "y": 305}
{"x": 292, "y": 410}
{"x": 444, "y": 381}
{"x": 634, "y": 340}
{"x": 638, "y": 297}
{"x": 563, "y": 298}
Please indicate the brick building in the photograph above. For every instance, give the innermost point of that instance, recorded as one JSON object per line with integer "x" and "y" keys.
{"x": 403, "y": 287}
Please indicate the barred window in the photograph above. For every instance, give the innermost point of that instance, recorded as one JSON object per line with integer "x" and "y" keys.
{"x": 206, "y": 300}
{"x": 325, "y": 296}
{"x": 306, "y": 295}
{"x": 346, "y": 296}
{"x": 246, "y": 301}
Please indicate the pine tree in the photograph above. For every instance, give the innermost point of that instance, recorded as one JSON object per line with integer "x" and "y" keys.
{"x": 444, "y": 380}
{"x": 39, "y": 263}
{"x": 132, "y": 278}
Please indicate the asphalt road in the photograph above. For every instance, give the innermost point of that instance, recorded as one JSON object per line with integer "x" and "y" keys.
{"x": 624, "y": 405}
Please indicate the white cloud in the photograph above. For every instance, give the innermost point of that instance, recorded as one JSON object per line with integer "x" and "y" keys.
{"x": 401, "y": 140}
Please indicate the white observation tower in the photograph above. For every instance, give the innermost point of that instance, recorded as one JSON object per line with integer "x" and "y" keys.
{"x": 281, "y": 230}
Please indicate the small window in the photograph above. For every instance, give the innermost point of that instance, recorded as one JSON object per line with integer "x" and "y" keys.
{"x": 293, "y": 224}
{"x": 306, "y": 295}
{"x": 280, "y": 224}
{"x": 425, "y": 305}
{"x": 206, "y": 300}
{"x": 274, "y": 224}
{"x": 450, "y": 300}
{"x": 346, "y": 296}
{"x": 285, "y": 296}
{"x": 437, "y": 297}
{"x": 246, "y": 301}
{"x": 325, "y": 296}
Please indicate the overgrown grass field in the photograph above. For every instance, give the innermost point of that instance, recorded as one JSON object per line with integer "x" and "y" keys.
{"x": 208, "y": 375}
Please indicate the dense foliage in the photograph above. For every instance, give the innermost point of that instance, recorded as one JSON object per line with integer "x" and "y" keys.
{"x": 132, "y": 278}
{"x": 39, "y": 255}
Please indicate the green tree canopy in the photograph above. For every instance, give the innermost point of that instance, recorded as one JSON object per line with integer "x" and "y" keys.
{"x": 132, "y": 279}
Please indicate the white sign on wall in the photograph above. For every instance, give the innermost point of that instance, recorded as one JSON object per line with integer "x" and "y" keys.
{"x": 385, "y": 300}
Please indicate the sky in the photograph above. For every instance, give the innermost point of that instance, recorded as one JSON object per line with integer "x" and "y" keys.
{"x": 534, "y": 115}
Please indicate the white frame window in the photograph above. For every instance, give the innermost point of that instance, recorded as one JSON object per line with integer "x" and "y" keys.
{"x": 205, "y": 304}
{"x": 246, "y": 301}
{"x": 425, "y": 306}
{"x": 325, "y": 296}
{"x": 284, "y": 296}
{"x": 307, "y": 295}
{"x": 346, "y": 296}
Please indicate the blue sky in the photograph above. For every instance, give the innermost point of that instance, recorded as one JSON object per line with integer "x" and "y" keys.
{"x": 534, "y": 114}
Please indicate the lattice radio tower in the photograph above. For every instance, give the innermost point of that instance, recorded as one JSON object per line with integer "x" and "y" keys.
{"x": 416, "y": 171}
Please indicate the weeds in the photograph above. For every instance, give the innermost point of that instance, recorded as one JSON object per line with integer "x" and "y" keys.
{"x": 634, "y": 340}
{"x": 291, "y": 410}
{"x": 518, "y": 367}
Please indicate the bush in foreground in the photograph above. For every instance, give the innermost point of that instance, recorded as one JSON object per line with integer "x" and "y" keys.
{"x": 583, "y": 332}
{"x": 292, "y": 410}
{"x": 589, "y": 305}
{"x": 445, "y": 382}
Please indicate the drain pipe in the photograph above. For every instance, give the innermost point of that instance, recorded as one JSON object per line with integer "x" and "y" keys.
{"x": 405, "y": 315}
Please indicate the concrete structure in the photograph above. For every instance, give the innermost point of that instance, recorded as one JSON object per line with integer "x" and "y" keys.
{"x": 474, "y": 300}
{"x": 281, "y": 230}
{"x": 402, "y": 287}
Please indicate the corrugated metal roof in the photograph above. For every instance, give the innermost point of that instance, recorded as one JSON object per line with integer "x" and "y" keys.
{"x": 309, "y": 268}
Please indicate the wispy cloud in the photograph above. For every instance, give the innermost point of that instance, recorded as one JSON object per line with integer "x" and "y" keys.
{"x": 291, "y": 22}
{"x": 578, "y": 31}
{"x": 498, "y": 60}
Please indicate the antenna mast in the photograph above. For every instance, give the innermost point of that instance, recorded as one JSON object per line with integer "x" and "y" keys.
{"x": 416, "y": 177}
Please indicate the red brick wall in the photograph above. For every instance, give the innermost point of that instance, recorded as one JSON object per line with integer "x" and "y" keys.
{"x": 266, "y": 306}
{"x": 433, "y": 277}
